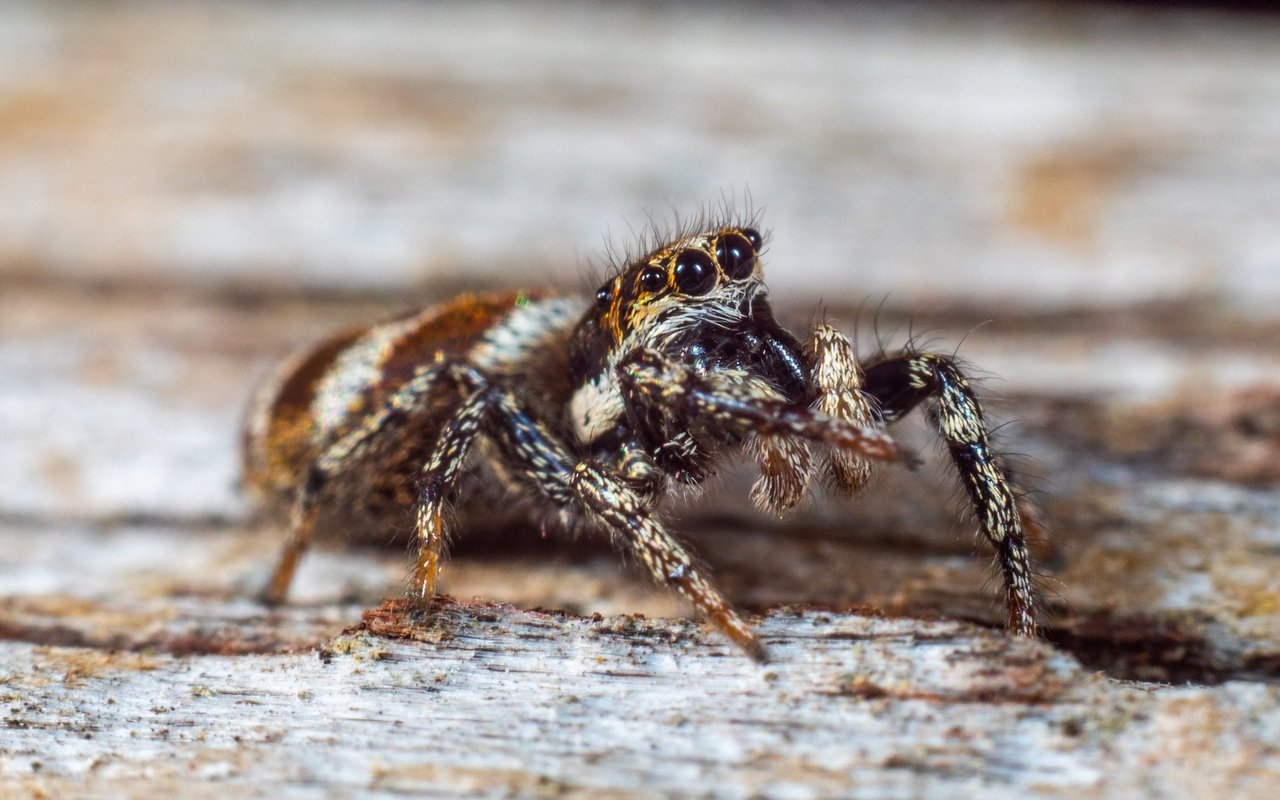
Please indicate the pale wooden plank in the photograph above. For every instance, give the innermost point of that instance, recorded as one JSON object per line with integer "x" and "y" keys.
{"x": 493, "y": 702}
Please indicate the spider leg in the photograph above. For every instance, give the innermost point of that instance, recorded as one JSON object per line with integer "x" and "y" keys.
{"x": 837, "y": 377}
{"x": 398, "y": 410}
{"x": 440, "y": 478}
{"x": 551, "y": 468}
{"x": 744, "y": 408}
{"x": 899, "y": 384}
{"x": 625, "y": 515}
{"x": 302, "y": 522}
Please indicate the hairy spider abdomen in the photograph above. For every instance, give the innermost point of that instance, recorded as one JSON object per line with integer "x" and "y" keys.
{"x": 338, "y": 386}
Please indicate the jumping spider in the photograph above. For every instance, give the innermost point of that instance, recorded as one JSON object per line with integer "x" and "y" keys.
{"x": 588, "y": 413}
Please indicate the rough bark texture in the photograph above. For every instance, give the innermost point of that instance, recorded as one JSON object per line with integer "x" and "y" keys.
{"x": 1087, "y": 195}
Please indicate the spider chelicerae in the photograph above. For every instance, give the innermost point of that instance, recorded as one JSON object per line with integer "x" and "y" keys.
{"x": 588, "y": 412}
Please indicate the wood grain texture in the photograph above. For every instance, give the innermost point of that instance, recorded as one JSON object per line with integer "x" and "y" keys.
{"x": 1084, "y": 196}
{"x": 494, "y": 702}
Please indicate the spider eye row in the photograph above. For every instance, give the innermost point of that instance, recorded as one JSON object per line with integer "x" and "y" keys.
{"x": 694, "y": 270}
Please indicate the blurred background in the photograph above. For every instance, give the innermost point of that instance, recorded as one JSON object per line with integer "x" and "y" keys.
{"x": 188, "y": 191}
{"x": 1059, "y": 155}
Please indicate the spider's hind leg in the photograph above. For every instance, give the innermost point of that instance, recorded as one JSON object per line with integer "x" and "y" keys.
{"x": 440, "y": 477}
{"x": 400, "y": 413}
{"x": 899, "y": 384}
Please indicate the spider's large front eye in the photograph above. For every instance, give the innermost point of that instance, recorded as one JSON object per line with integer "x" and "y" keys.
{"x": 736, "y": 255}
{"x": 652, "y": 279}
{"x": 695, "y": 272}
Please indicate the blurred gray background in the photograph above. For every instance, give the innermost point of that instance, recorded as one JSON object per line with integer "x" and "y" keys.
{"x": 1056, "y": 155}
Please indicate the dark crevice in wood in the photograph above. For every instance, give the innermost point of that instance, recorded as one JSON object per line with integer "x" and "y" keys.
{"x": 1155, "y": 649}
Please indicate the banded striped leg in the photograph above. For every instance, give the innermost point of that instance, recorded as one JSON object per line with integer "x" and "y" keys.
{"x": 624, "y": 514}
{"x": 399, "y": 411}
{"x": 440, "y": 479}
{"x": 740, "y": 408}
{"x": 603, "y": 494}
{"x": 901, "y": 383}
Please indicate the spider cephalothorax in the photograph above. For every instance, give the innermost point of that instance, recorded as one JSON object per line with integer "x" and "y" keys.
{"x": 593, "y": 413}
{"x": 699, "y": 303}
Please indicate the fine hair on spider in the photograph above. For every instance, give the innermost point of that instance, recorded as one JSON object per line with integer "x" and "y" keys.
{"x": 591, "y": 412}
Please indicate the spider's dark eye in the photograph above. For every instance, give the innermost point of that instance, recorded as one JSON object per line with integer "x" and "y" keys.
{"x": 695, "y": 272}
{"x": 652, "y": 279}
{"x": 753, "y": 236}
{"x": 736, "y": 254}
{"x": 604, "y": 295}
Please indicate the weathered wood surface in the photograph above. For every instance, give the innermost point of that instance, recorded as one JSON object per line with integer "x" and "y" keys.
{"x": 191, "y": 194}
{"x": 492, "y": 701}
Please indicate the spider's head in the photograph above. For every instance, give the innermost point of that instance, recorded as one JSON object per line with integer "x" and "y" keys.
{"x": 699, "y": 300}
{"x": 708, "y": 278}
{"x": 706, "y": 273}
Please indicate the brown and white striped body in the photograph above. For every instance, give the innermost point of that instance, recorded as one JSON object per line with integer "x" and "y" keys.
{"x": 328, "y": 390}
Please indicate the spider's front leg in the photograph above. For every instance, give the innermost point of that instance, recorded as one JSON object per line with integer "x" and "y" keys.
{"x": 624, "y": 512}
{"x": 608, "y": 498}
{"x": 741, "y": 408}
{"x": 901, "y": 383}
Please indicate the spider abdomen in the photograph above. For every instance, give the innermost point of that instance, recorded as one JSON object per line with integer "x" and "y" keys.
{"x": 338, "y": 385}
